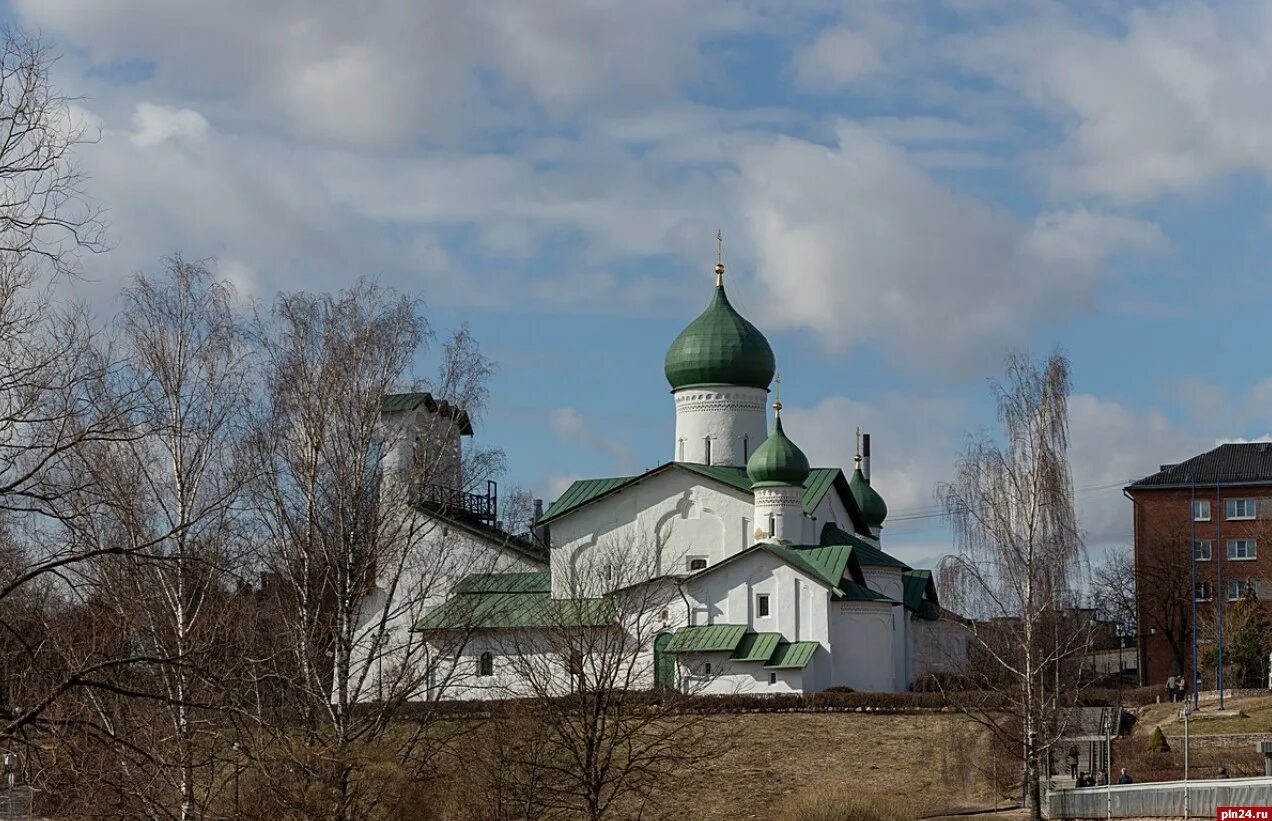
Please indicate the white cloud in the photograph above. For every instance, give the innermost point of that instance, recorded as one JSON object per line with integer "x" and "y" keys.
{"x": 153, "y": 124}
{"x": 837, "y": 58}
{"x": 1174, "y": 101}
{"x": 858, "y": 243}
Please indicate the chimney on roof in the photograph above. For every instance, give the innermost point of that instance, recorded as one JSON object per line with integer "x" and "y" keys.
{"x": 538, "y": 509}
{"x": 865, "y": 456}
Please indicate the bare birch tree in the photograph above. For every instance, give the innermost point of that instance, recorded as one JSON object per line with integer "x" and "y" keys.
{"x": 352, "y": 553}
{"x": 1019, "y": 563}
{"x": 596, "y": 738}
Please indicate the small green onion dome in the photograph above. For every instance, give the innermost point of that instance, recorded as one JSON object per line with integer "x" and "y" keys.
{"x": 720, "y": 347}
{"x": 871, "y": 504}
{"x": 777, "y": 461}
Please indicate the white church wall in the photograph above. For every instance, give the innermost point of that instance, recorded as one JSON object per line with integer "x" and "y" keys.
{"x": 829, "y": 509}
{"x": 674, "y": 514}
{"x": 888, "y": 581}
{"x": 735, "y": 678}
{"x": 797, "y": 603}
{"x": 733, "y": 419}
{"x": 440, "y": 556}
{"x": 861, "y": 636}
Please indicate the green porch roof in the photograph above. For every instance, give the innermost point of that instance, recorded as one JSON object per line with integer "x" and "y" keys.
{"x": 867, "y": 554}
{"x": 756, "y": 647}
{"x": 920, "y": 594}
{"x": 707, "y": 638}
{"x": 816, "y": 486}
{"x": 793, "y": 655}
{"x": 506, "y": 601}
{"x": 395, "y": 402}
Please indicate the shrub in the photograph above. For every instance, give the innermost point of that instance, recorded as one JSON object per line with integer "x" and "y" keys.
{"x": 1157, "y": 742}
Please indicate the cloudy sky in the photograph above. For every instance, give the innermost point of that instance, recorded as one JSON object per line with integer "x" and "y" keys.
{"x": 906, "y": 189}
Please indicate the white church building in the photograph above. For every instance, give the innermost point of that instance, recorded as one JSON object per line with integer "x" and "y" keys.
{"x": 774, "y": 572}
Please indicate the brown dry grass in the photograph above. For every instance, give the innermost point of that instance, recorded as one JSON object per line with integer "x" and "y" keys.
{"x": 795, "y": 765}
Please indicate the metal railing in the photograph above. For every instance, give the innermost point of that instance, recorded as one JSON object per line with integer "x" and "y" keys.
{"x": 483, "y": 507}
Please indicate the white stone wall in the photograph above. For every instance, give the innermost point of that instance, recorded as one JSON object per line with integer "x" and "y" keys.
{"x": 830, "y": 509}
{"x": 420, "y": 446}
{"x": 862, "y": 646}
{"x": 734, "y": 419}
{"x": 785, "y": 506}
{"x": 888, "y": 581}
{"x": 437, "y": 560}
{"x": 735, "y": 678}
{"x": 797, "y": 603}
{"x": 674, "y": 515}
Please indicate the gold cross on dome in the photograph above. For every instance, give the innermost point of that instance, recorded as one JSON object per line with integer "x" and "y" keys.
{"x": 719, "y": 269}
{"x": 777, "y": 393}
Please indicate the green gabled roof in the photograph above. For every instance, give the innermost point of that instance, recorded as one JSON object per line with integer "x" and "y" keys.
{"x": 504, "y": 611}
{"x": 540, "y": 582}
{"x": 793, "y": 655}
{"x": 867, "y": 554}
{"x": 816, "y": 486}
{"x": 394, "y": 402}
{"x": 707, "y": 638}
{"x": 920, "y": 594}
{"x": 826, "y": 565}
{"x": 756, "y": 647}
{"x": 581, "y": 492}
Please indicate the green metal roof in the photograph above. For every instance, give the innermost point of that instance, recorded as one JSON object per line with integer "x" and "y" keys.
{"x": 868, "y": 500}
{"x": 505, "y": 610}
{"x": 540, "y": 582}
{"x": 581, "y": 492}
{"x": 707, "y": 638}
{"x": 393, "y": 402}
{"x": 584, "y": 491}
{"x": 793, "y": 655}
{"x": 867, "y": 554}
{"x": 720, "y": 347}
{"x": 920, "y": 594}
{"x": 756, "y": 647}
{"x": 822, "y": 564}
{"x": 777, "y": 461}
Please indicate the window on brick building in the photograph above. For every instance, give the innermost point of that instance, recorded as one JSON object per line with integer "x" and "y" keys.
{"x": 1201, "y": 510}
{"x": 1241, "y": 549}
{"x": 1237, "y": 588}
{"x": 1240, "y": 508}
{"x": 1201, "y": 550}
{"x": 1202, "y": 593}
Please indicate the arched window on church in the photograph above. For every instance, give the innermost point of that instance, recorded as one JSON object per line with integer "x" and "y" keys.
{"x": 708, "y": 459}
{"x": 772, "y": 525}
{"x": 680, "y": 450}
{"x": 746, "y": 449}
{"x": 486, "y": 665}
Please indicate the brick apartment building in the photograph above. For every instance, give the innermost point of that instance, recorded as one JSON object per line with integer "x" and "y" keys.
{"x": 1219, "y": 503}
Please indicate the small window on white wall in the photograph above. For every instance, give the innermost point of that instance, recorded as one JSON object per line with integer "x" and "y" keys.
{"x": 697, "y": 563}
{"x": 772, "y": 678}
{"x": 762, "y": 605}
{"x": 708, "y": 459}
{"x": 772, "y": 525}
{"x": 706, "y": 668}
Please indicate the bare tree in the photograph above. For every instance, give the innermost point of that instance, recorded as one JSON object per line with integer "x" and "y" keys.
{"x": 1163, "y": 576}
{"x": 45, "y": 216}
{"x": 1113, "y": 589}
{"x": 597, "y": 739}
{"x": 174, "y": 496}
{"x": 1019, "y": 563}
{"x": 354, "y": 553}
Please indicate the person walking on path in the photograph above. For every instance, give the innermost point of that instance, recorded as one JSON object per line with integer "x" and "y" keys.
{"x": 1073, "y": 761}
{"x": 1125, "y": 777}
{"x": 1223, "y": 772}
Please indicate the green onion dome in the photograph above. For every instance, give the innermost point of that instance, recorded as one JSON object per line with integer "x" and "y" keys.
{"x": 869, "y": 502}
{"x": 720, "y": 348}
{"x": 777, "y": 461}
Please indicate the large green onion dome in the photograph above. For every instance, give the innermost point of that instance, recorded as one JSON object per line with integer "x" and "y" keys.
{"x": 720, "y": 348}
{"x": 777, "y": 461}
{"x": 871, "y": 504}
